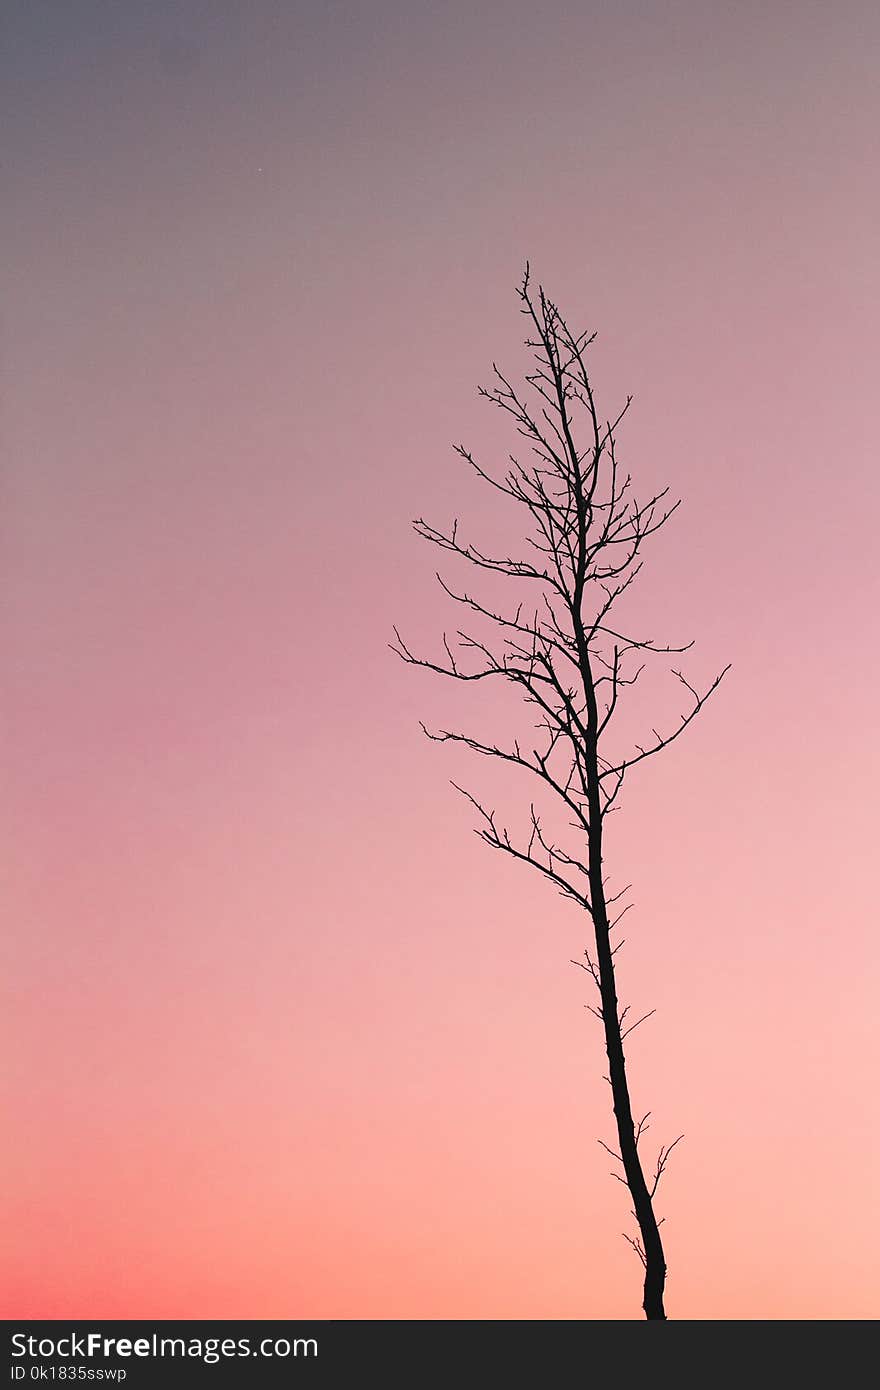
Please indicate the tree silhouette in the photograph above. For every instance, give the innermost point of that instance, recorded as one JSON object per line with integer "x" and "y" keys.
{"x": 565, "y": 651}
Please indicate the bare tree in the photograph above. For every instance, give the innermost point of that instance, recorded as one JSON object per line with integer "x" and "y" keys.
{"x": 562, "y": 646}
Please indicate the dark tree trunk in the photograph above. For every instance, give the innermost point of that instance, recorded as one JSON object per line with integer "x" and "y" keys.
{"x": 652, "y": 1245}
{"x": 643, "y": 1205}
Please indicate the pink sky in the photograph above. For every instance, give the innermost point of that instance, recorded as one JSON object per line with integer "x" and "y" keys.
{"x": 282, "y": 1038}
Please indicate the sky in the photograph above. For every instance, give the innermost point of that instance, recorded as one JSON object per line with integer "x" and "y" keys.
{"x": 283, "y": 1039}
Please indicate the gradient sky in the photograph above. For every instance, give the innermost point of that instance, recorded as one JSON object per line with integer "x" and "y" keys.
{"x": 282, "y": 1038}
